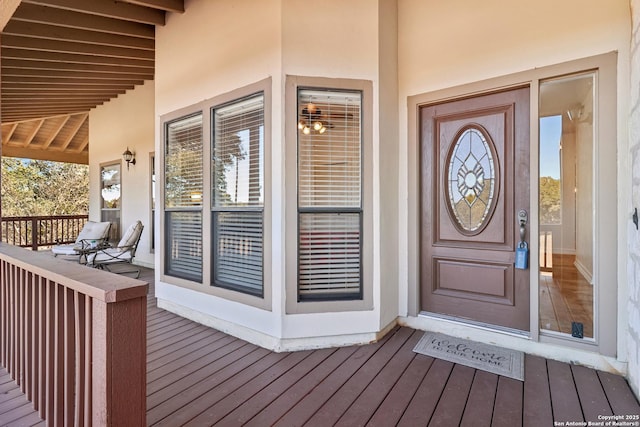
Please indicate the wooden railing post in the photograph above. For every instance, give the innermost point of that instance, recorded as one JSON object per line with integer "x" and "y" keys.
{"x": 119, "y": 361}
{"x": 34, "y": 234}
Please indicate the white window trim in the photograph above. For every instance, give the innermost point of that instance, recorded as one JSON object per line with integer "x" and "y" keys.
{"x": 293, "y": 306}
{"x": 264, "y": 302}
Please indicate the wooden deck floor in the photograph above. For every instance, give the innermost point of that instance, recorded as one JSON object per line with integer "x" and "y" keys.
{"x": 198, "y": 376}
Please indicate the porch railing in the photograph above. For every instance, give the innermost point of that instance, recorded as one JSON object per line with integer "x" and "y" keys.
{"x": 74, "y": 339}
{"x": 37, "y": 231}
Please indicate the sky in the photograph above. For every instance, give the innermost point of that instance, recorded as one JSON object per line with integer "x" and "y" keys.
{"x": 550, "y": 132}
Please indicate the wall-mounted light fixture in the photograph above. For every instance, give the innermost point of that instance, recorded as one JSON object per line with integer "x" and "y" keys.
{"x": 129, "y": 157}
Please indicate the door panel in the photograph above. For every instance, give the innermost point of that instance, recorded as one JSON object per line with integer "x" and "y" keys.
{"x": 474, "y": 178}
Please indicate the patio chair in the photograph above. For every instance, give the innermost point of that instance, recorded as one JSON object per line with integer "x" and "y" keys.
{"x": 123, "y": 253}
{"x": 93, "y": 235}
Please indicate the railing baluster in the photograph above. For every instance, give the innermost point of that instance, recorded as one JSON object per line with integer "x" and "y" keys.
{"x": 42, "y": 343}
{"x": 21, "y": 332}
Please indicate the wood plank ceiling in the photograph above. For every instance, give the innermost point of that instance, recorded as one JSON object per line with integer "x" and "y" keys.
{"x": 61, "y": 58}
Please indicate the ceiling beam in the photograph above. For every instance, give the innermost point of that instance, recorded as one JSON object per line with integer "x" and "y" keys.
{"x": 66, "y": 18}
{"x": 70, "y": 86}
{"x": 55, "y": 132}
{"x": 49, "y": 110}
{"x": 57, "y": 46}
{"x": 74, "y": 131}
{"x": 80, "y": 75}
{"x": 12, "y": 53}
{"x": 51, "y": 80}
{"x": 24, "y": 99}
{"x": 32, "y": 134}
{"x": 176, "y": 6}
{"x": 107, "y": 8}
{"x": 54, "y": 32}
{"x": 69, "y": 66}
{"x": 9, "y": 134}
{"x": 40, "y": 154}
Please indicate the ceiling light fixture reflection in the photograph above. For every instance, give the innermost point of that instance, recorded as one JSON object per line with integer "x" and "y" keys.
{"x": 311, "y": 120}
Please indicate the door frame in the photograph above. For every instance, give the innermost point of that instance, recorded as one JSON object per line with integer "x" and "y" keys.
{"x": 605, "y": 178}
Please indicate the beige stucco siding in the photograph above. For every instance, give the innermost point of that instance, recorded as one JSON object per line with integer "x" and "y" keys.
{"x": 126, "y": 121}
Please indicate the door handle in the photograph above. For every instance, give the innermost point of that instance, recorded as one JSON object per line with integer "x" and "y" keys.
{"x": 523, "y": 219}
{"x": 522, "y": 250}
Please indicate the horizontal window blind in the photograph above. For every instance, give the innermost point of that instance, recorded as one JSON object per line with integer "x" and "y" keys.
{"x": 329, "y": 169}
{"x": 238, "y": 251}
{"x": 183, "y": 245}
{"x": 329, "y": 254}
{"x": 238, "y": 195}
{"x": 329, "y": 194}
{"x": 183, "y": 198}
{"x": 183, "y": 162}
{"x": 238, "y": 153}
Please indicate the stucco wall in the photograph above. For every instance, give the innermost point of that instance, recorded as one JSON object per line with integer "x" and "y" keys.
{"x": 634, "y": 234}
{"x": 219, "y": 46}
{"x": 127, "y": 121}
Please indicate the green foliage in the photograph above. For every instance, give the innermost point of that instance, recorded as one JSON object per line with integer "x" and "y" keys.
{"x": 550, "y": 201}
{"x": 38, "y": 187}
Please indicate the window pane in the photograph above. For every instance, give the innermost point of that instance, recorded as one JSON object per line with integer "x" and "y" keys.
{"x": 183, "y": 162}
{"x": 567, "y": 141}
{"x": 110, "y": 186}
{"x": 329, "y": 255}
{"x": 184, "y": 245}
{"x": 238, "y": 194}
{"x": 238, "y": 152}
{"x": 329, "y": 141}
{"x": 238, "y": 251}
{"x": 183, "y": 190}
{"x": 329, "y": 194}
{"x": 471, "y": 179}
{"x": 111, "y": 197}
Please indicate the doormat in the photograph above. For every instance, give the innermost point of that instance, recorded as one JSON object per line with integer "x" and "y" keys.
{"x": 498, "y": 360}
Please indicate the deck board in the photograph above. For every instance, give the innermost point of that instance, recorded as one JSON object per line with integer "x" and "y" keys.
{"x": 619, "y": 394}
{"x": 507, "y": 411}
{"x": 454, "y": 397}
{"x": 566, "y": 404}
{"x": 479, "y": 409}
{"x": 338, "y": 404}
{"x": 537, "y": 409}
{"x": 592, "y": 397}
{"x": 424, "y": 402}
{"x": 374, "y": 394}
{"x": 393, "y": 406}
{"x": 197, "y": 376}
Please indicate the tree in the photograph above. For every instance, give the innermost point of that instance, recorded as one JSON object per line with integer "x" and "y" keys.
{"x": 550, "y": 201}
{"x": 42, "y": 188}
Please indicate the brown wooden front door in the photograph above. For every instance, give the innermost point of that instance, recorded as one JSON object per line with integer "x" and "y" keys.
{"x": 474, "y": 178}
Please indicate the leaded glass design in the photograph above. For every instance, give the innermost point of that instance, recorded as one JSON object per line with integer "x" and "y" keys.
{"x": 471, "y": 179}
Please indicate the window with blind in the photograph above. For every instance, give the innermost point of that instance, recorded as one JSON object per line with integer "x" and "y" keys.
{"x": 329, "y": 194}
{"x": 183, "y": 197}
{"x": 238, "y": 195}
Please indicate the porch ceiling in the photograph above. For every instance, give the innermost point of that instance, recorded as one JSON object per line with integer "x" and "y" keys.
{"x": 61, "y": 58}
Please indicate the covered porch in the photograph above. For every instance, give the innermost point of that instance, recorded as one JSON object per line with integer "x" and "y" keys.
{"x": 200, "y": 376}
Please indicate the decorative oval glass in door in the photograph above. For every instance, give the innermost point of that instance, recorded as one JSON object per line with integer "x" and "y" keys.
{"x": 471, "y": 179}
